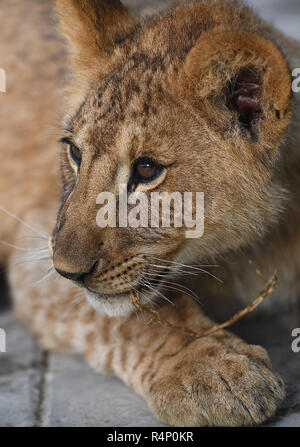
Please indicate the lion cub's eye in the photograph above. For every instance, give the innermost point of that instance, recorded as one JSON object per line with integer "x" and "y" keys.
{"x": 75, "y": 154}
{"x": 146, "y": 170}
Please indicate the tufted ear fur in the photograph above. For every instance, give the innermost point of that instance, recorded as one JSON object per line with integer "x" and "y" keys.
{"x": 92, "y": 28}
{"x": 243, "y": 73}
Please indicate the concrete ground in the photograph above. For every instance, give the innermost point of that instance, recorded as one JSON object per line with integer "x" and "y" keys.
{"x": 41, "y": 389}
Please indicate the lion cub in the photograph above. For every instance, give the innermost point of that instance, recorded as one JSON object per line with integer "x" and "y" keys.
{"x": 197, "y": 99}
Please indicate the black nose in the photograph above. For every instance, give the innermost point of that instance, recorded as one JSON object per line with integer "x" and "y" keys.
{"x": 72, "y": 276}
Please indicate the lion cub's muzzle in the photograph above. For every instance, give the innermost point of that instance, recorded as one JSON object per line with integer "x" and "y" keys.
{"x": 117, "y": 276}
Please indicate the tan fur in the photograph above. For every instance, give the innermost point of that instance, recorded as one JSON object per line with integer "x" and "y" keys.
{"x": 154, "y": 87}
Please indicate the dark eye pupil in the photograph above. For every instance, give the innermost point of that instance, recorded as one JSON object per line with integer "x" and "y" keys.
{"x": 146, "y": 170}
{"x": 75, "y": 154}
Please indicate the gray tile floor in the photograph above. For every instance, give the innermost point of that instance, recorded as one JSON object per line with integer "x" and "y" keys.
{"x": 38, "y": 389}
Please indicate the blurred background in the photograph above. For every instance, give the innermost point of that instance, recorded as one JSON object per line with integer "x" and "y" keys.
{"x": 39, "y": 389}
{"x": 284, "y": 14}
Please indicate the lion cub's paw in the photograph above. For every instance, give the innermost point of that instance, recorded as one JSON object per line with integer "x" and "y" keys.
{"x": 217, "y": 385}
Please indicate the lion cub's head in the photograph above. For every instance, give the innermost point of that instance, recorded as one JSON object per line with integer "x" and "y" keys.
{"x": 194, "y": 101}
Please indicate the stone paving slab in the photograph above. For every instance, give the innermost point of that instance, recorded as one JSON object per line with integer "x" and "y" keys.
{"x": 20, "y": 376}
{"x": 43, "y": 389}
{"x": 77, "y": 396}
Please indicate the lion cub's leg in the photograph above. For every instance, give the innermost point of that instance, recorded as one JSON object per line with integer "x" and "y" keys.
{"x": 217, "y": 380}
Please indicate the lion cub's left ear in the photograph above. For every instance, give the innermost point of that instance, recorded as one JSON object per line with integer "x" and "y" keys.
{"x": 242, "y": 73}
{"x": 93, "y": 27}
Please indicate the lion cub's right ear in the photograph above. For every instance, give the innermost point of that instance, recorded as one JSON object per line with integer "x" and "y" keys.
{"x": 242, "y": 79}
{"x": 92, "y": 28}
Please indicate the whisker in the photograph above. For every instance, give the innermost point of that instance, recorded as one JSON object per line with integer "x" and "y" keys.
{"x": 49, "y": 272}
{"x": 32, "y": 236}
{"x": 178, "y": 263}
{"x": 16, "y": 247}
{"x": 34, "y": 253}
{"x": 180, "y": 272}
{"x": 23, "y": 222}
{"x": 200, "y": 270}
{"x": 154, "y": 275}
{"x": 145, "y": 283}
{"x": 24, "y": 261}
{"x": 170, "y": 285}
{"x": 178, "y": 287}
{"x": 147, "y": 299}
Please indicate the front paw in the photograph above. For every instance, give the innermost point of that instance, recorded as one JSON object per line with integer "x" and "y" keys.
{"x": 213, "y": 384}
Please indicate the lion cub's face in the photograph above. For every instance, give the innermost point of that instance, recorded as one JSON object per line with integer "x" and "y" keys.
{"x": 156, "y": 116}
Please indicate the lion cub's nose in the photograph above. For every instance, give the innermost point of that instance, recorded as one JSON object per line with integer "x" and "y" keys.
{"x": 78, "y": 277}
{"x": 72, "y": 276}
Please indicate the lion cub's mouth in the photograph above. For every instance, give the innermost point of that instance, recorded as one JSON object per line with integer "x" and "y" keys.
{"x": 140, "y": 287}
{"x": 119, "y": 303}
{"x": 107, "y": 296}
{"x": 113, "y": 305}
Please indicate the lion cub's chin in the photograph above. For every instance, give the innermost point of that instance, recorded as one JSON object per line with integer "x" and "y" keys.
{"x": 111, "y": 305}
